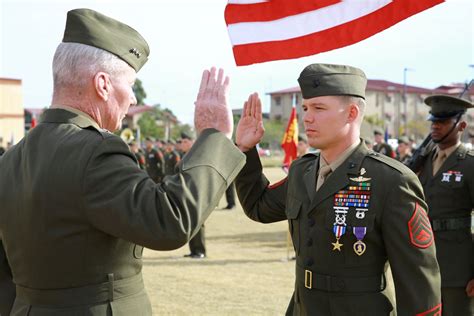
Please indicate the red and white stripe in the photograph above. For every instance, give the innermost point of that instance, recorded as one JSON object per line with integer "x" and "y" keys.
{"x": 283, "y": 29}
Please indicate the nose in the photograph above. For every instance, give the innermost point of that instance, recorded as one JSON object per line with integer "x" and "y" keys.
{"x": 435, "y": 125}
{"x": 133, "y": 100}
{"x": 307, "y": 118}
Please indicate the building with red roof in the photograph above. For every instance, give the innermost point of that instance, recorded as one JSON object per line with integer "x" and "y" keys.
{"x": 397, "y": 107}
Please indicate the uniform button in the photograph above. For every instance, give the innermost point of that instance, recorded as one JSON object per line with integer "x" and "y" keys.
{"x": 309, "y": 242}
{"x": 351, "y": 165}
{"x": 311, "y": 222}
{"x": 308, "y": 262}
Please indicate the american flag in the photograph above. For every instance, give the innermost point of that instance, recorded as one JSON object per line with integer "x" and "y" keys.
{"x": 266, "y": 30}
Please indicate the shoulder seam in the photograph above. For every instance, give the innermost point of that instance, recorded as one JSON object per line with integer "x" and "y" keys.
{"x": 392, "y": 163}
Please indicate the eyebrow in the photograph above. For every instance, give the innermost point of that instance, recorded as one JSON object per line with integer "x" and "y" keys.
{"x": 314, "y": 103}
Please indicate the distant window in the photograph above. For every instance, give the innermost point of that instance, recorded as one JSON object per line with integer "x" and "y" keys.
{"x": 278, "y": 117}
{"x": 297, "y": 99}
{"x": 277, "y": 100}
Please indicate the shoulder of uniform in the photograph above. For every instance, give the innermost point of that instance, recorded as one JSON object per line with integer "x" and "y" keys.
{"x": 464, "y": 152}
{"x": 304, "y": 160}
{"x": 393, "y": 163}
{"x": 99, "y": 131}
{"x": 310, "y": 156}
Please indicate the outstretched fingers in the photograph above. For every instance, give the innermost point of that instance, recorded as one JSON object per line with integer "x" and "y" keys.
{"x": 255, "y": 107}
{"x": 211, "y": 83}
{"x": 258, "y": 108}
{"x": 223, "y": 92}
{"x": 203, "y": 85}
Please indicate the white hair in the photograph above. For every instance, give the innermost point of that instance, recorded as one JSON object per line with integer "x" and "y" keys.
{"x": 75, "y": 64}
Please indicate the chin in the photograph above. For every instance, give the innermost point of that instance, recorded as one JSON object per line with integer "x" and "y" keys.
{"x": 314, "y": 143}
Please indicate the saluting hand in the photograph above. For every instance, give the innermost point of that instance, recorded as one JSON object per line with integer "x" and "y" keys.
{"x": 250, "y": 129}
{"x": 211, "y": 108}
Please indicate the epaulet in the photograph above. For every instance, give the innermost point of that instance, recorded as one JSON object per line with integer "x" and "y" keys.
{"x": 311, "y": 155}
{"x": 463, "y": 151}
{"x": 306, "y": 158}
{"x": 395, "y": 164}
{"x": 102, "y": 132}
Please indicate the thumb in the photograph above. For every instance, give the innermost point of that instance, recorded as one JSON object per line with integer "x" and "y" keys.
{"x": 260, "y": 129}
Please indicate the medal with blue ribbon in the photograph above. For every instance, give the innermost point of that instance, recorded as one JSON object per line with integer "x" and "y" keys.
{"x": 359, "y": 245}
{"x": 339, "y": 227}
{"x": 338, "y": 230}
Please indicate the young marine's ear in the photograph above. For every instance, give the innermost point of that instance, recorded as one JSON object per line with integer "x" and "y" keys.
{"x": 353, "y": 112}
{"x": 102, "y": 85}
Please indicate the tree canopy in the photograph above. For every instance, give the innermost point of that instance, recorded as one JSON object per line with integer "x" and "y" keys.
{"x": 139, "y": 91}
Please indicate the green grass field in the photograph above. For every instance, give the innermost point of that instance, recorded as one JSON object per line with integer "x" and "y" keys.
{"x": 246, "y": 273}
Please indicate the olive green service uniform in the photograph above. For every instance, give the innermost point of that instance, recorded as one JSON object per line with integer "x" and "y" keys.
{"x": 407, "y": 158}
{"x": 450, "y": 197}
{"x": 77, "y": 211}
{"x": 383, "y": 148}
{"x": 368, "y": 211}
{"x": 141, "y": 160}
{"x": 7, "y": 288}
{"x": 74, "y": 223}
{"x": 172, "y": 159}
{"x": 155, "y": 164}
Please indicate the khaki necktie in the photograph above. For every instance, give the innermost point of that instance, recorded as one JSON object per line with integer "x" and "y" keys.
{"x": 323, "y": 173}
{"x": 438, "y": 161}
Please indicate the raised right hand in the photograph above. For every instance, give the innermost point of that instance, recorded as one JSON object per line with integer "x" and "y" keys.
{"x": 250, "y": 129}
{"x": 211, "y": 107}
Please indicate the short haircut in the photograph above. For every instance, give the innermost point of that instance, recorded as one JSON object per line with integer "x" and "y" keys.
{"x": 74, "y": 64}
{"x": 356, "y": 100}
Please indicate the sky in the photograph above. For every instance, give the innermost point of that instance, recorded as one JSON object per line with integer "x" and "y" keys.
{"x": 187, "y": 36}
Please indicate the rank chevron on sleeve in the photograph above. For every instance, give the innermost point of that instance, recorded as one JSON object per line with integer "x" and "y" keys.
{"x": 419, "y": 227}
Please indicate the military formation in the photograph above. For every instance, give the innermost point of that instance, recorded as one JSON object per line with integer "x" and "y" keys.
{"x": 159, "y": 158}
{"x": 78, "y": 207}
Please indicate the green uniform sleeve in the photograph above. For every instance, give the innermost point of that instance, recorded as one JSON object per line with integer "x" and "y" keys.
{"x": 261, "y": 202}
{"x": 409, "y": 243}
{"x": 124, "y": 202}
{"x": 7, "y": 288}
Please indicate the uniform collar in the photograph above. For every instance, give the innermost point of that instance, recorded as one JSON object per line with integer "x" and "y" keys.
{"x": 339, "y": 179}
{"x": 342, "y": 157}
{"x": 66, "y": 114}
{"x": 448, "y": 151}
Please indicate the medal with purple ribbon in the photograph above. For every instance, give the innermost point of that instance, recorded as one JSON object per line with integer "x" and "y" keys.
{"x": 359, "y": 245}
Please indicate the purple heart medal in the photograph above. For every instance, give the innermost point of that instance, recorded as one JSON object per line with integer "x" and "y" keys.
{"x": 359, "y": 245}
